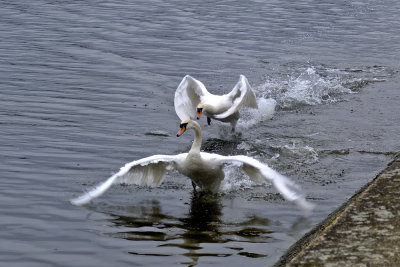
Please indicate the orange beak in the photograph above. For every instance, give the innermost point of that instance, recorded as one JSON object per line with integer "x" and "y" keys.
{"x": 181, "y": 131}
{"x": 198, "y": 114}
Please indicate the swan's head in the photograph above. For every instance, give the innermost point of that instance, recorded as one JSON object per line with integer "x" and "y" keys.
{"x": 186, "y": 124}
{"x": 183, "y": 126}
{"x": 199, "y": 110}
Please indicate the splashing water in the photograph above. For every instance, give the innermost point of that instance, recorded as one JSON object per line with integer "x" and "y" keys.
{"x": 308, "y": 88}
{"x": 305, "y": 154}
{"x": 248, "y": 118}
{"x": 235, "y": 180}
{"x": 265, "y": 111}
{"x": 293, "y": 85}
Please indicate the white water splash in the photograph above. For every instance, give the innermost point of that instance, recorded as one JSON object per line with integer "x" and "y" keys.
{"x": 244, "y": 146}
{"x": 311, "y": 88}
{"x": 304, "y": 154}
{"x": 235, "y": 180}
{"x": 248, "y": 118}
{"x": 265, "y": 111}
{"x": 307, "y": 88}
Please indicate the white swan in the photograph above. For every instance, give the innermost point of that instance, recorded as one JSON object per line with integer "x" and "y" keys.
{"x": 205, "y": 170}
{"x": 192, "y": 99}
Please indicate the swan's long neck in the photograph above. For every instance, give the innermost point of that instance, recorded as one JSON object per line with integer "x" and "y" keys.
{"x": 197, "y": 138}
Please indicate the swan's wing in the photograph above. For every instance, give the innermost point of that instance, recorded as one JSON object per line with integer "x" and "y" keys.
{"x": 187, "y": 97}
{"x": 242, "y": 96}
{"x": 260, "y": 172}
{"x": 147, "y": 171}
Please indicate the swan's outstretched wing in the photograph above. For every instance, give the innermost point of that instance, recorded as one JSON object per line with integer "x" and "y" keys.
{"x": 260, "y": 172}
{"x": 187, "y": 97}
{"x": 242, "y": 96}
{"x": 147, "y": 171}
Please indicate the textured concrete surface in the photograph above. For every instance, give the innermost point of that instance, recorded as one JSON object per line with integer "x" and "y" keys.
{"x": 363, "y": 232}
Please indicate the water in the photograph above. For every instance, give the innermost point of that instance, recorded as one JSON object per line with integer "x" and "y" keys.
{"x": 88, "y": 86}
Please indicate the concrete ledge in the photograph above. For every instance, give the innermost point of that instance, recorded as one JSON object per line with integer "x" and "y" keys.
{"x": 365, "y": 231}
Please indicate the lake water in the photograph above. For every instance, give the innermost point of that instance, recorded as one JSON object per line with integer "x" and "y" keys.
{"x": 86, "y": 86}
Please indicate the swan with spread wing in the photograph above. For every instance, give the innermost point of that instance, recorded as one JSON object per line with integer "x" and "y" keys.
{"x": 206, "y": 170}
{"x": 192, "y": 100}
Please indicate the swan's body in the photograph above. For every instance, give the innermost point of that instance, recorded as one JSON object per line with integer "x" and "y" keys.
{"x": 204, "y": 169}
{"x": 191, "y": 96}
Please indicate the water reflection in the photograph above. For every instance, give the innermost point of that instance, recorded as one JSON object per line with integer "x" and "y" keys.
{"x": 202, "y": 225}
{"x": 204, "y": 218}
{"x": 193, "y": 234}
{"x": 147, "y": 222}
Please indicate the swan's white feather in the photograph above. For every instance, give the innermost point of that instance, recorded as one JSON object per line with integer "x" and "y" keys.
{"x": 147, "y": 171}
{"x": 241, "y": 96}
{"x": 192, "y": 92}
{"x": 188, "y": 96}
{"x": 205, "y": 169}
{"x": 260, "y": 172}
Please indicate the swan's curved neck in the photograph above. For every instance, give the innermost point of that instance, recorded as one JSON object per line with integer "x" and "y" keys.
{"x": 197, "y": 138}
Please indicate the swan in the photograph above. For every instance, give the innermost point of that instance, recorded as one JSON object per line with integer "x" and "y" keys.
{"x": 204, "y": 169}
{"x": 192, "y": 99}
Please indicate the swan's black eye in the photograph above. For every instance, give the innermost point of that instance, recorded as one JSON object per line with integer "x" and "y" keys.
{"x": 199, "y": 109}
{"x": 183, "y": 125}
